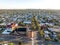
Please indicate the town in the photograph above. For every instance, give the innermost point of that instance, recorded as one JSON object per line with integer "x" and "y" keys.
{"x": 29, "y": 27}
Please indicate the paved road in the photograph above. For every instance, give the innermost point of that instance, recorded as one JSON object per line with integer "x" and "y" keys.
{"x": 15, "y": 39}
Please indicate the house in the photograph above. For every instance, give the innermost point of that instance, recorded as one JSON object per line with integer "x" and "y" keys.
{"x": 8, "y": 25}
{"x": 54, "y": 29}
{"x": 46, "y": 32}
{"x": 50, "y": 24}
{"x": 27, "y": 22}
{"x": 41, "y": 24}
{"x": 7, "y": 31}
{"x": 3, "y": 24}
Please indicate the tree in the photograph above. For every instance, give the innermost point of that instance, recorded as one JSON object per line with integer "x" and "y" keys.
{"x": 20, "y": 23}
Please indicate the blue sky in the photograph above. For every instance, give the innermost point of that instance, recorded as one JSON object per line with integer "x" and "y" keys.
{"x": 27, "y": 4}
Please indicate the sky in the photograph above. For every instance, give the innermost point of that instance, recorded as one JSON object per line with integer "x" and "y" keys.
{"x": 29, "y": 4}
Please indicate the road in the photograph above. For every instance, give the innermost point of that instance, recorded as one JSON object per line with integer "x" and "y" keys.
{"x": 15, "y": 39}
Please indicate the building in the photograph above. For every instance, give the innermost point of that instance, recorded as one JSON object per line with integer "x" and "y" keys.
{"x": 7, "y": 31}
{"x": 20, "y": 31}
{"x": 27, "y": 22}
{"x": 54, "y": 29}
